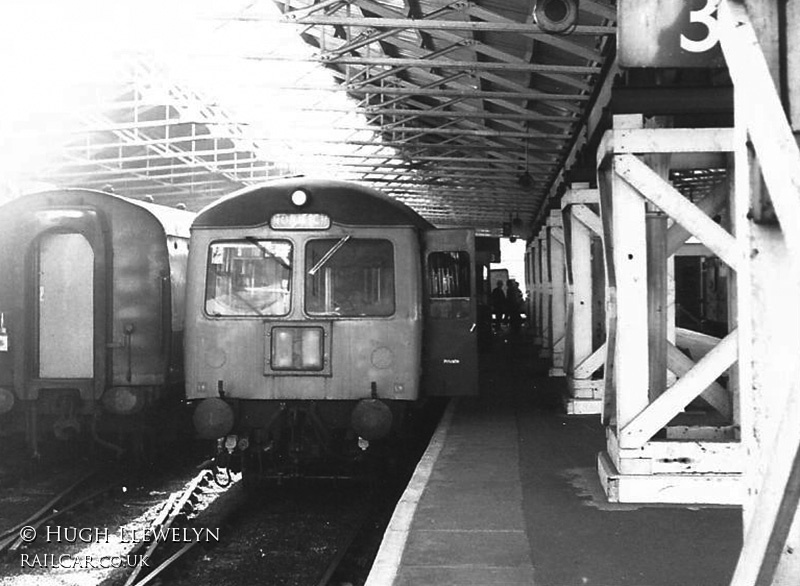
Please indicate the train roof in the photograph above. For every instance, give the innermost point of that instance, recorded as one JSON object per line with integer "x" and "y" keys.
{"x": 345, "y": 203}
{"x": 174, "y": 221}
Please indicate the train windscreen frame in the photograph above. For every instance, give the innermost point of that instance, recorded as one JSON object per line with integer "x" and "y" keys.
{"x": 350, "y": 277}
{"x": 249, "y": 278}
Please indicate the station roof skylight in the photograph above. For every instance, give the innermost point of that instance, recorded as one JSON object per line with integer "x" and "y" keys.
{"x": 442, "y": 104}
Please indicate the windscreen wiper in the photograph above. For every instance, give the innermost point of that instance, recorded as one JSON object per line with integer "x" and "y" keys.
{"x": 326, "y": 257}
{"x": 254, "y": 241}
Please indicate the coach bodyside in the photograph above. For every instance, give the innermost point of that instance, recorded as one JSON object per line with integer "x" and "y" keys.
{"x": 86, "y": 300}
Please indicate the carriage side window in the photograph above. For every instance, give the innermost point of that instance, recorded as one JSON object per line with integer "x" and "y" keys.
{"x": 249, "y": 277}
{"x": 448, "y": 274}
{"x": 350, "y": 277}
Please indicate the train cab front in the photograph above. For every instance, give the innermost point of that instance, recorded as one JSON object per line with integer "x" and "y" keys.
{"x": 302, "y": 341}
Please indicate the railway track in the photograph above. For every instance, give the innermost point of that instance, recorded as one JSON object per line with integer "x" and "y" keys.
{"x": 164, "y": 528}
{"x": 301, "y": 532}
{"x": 342, "y": 549}
{"x": 296, "y": 534}
{"x": 94, "y": 530}
{"x": 167, "y": 541}
{"x": 191, "y": 530}
{"x": 69, "y": 499}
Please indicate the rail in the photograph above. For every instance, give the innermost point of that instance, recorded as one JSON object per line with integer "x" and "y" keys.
{"x": 175, "y": 508}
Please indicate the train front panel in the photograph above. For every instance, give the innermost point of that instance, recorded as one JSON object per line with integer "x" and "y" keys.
{"x": 279, "y": 320}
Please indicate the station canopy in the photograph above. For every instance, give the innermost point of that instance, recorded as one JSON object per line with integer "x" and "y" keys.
{"x": 468, "y": 111}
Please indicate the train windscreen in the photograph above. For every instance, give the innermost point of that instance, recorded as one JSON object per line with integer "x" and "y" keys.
{"x": 250, "y": 277}
{"x": 350, "y": 277}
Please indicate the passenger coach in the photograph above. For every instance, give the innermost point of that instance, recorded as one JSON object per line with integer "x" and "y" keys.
{"x": 91, "y": 313}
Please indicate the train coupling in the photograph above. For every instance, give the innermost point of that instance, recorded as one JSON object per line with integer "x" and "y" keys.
{"x": 227, "y": 446}
{"x": 232, "y": 443}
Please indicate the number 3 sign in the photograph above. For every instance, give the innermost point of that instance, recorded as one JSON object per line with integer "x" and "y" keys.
{"x": 668, "y": 33}
{"x": 708, "y": 19}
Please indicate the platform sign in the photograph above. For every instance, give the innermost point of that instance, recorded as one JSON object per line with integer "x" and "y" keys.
{"x": 668, "y": 33}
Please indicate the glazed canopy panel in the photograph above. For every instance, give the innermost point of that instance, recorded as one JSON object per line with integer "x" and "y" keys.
{"x": 471, "y": 112}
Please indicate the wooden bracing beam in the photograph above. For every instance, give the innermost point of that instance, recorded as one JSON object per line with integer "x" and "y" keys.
{"x": 714, "y": 394}
{"x": 658, "y": 413}
{"x": 588, "y": 218}
{"x": 589, "y": 366}
{"x": 674, "y": 204}
{"x": 710, "y": 205}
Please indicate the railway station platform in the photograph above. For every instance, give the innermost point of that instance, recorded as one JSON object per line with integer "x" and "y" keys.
{"x": 507, "y": 494}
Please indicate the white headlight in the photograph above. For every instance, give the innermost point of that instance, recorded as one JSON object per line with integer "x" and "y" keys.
{"x": 299, "y": 198}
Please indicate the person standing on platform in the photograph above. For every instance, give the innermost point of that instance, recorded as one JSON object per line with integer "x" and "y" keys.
{"x": 498, "y": 300}
{"x": 514, "y": 306}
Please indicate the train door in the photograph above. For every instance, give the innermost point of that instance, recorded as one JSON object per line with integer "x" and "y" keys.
{"x": 451, "y": 340}
{"x": 65, "y": 324}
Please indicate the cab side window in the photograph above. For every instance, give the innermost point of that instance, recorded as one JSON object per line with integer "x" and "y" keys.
{"x": 448, "y": 274}
{"x": 449, "y": 284}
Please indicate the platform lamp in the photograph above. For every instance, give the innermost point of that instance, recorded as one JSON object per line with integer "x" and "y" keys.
{"x": 556, "y": 16}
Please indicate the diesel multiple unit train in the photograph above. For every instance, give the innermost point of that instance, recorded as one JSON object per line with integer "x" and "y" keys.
{"x": 316, "y": 312}
{"x": 91, "y": 313}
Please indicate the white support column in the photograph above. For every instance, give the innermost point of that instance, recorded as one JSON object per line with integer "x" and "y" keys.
{"x": 636, "y": 467}
{"x": 671, "y": 379}
{"x": 536, "y": 293}
{"x": 530, "y": 275}
{"x": 545, "y": 347}
{"x": 767, "y": 289}
{"x": 558, "y": 301}
{"x": 581, "y": 225}
{"x": 631, "y": 357}
{"x": 770, "y": 410}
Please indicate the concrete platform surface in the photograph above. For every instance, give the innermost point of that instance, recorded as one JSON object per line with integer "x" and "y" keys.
{"x": 508, "y": 494}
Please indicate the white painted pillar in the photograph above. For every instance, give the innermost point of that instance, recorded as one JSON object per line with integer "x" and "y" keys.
{"x": 581, "y": 261}
{"x": 529, "y": 286}
{"x": 671, "y": 378}
{"x": 625, "y": 211}
{"x": 544, "y": 296}
{"x": 581, "y": 227}
{"x": 536, "y": 293}
{"x": 558, "y": 292}
{"x": 631, "y": 356}
{"x": 634, "y": 468}
{"x": 767, "y": 292}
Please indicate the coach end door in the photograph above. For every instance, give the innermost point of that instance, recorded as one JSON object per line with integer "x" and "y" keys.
{"x": 66, "y": 307}
{"x": 451, "y": 339}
